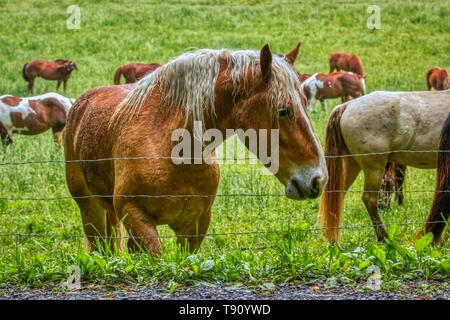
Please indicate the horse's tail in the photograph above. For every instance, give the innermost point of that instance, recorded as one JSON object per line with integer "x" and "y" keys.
{"x": 117, "y": 75}
{"x": 332, "y": 199}
{"x": 24, "y": 73}
{"x": 440, "y": 209}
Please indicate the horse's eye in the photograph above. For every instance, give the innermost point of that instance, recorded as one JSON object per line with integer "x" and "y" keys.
{"x": 284, "y": 113}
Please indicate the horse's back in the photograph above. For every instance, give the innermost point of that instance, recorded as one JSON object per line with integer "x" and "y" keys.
{"x": 384, "y": 121}
{"x": 88, "y": 121}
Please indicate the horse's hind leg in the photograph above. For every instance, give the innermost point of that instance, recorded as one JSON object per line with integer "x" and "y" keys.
{"x": 400, "y": 174}
{"x": 372, "y": 183}
{"x": 191, "y": 236}
{"x": 5, "y": 136}
{"x": 93, "y": 215}
{"x": 31, "y": 85}
{"x": 58, "y": 85}
{"x": 141, "y": 229}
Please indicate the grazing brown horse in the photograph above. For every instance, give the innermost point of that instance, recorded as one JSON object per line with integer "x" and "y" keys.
{"x": 224, "y": 90}
{"x": 438, "y": 79}
{"x": 347, "y": 62}
{"x": 439, "y": 214}
{"x": 366, "y": 133}
{"x": 342, "y": 85}
{"x": 33, "y": 115}
{"x": 392, "y": 183}
{"x": 134, "y": 71}
{"x": 59, "y": 70}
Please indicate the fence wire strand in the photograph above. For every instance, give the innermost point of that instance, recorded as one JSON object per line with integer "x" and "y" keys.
{"x": 55, "y": 161}
{"x": 210, "y": 235}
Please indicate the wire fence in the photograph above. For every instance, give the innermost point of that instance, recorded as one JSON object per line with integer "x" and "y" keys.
{"x": 55, "y": 161}
{"x": 187, "y": 196}
{"x": 238, "y": 233}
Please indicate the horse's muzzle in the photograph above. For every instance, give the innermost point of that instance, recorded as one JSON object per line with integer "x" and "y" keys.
{"x": 306, "y": 184}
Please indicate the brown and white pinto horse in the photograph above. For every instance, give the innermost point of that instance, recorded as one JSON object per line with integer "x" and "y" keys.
{"x": 387, "y": 126}
{"x": 222, "y": 89}
{"x": 347, "y": 62}
{"x": 134, "y": 71}
{"x": 33, "y": 115}
{"x": 438, "y": 79}
{"x": 439, "y": 215}
{"x": 342, "y": 85}
{"x": 59, "y": 70}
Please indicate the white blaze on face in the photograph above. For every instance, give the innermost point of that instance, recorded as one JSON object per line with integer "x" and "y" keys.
{"x": 302, "y": 176}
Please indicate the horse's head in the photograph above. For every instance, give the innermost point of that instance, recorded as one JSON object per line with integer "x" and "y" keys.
{"x": 446, "y": 83}
{"x": 272, "y": 99}
{"x": 67, "y": 67}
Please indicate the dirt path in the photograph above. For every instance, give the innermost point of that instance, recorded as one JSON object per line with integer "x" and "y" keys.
{"x": 210, "y": 291}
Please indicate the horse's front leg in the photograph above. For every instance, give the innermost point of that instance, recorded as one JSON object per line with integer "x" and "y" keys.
{"x": 191, "y": 236}
{"x": 312, "y": 104}
{"x": 141, "y": 229}
{"x": 7, "y": 141}
{"x": 58, "y": 85}
{"x": 65, "y": 84}
{"x": 323, "y": 105}
{"x": 372, "y": 183}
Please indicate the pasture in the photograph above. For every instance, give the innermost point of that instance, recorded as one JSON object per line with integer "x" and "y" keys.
{"x": 258, "y": 236}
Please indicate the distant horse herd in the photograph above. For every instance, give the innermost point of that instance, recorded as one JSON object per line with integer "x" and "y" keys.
{"x": 379, "y": 134}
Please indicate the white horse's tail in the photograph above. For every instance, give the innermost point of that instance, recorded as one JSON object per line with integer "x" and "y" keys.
{"x": 362, "y": 83}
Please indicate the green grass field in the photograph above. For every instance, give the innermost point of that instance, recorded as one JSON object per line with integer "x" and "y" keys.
{"x": 414, "y": 36}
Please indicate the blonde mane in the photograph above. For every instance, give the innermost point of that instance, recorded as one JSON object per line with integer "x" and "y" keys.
{"x": 189, "y": 80}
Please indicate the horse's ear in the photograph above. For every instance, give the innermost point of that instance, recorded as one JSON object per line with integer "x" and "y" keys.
{"x": 265, "y": 61}
{"x": 292, "y": 55}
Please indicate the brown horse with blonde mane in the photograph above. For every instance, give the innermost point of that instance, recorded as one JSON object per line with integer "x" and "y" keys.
{"x": 406, "y": 131}
{"x": 33, "y": 115}
{"x": 222, "y": 89}
{"x": 347, "y": 62}
{"x": 58, "y": 70}
{"x": 320, "y": 86}
{"x": 439, "y": 215}
{"x": 134, "y": 71}
{"x": 438, "y": 79}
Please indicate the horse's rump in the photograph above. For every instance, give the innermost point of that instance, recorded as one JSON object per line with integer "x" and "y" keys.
{"x": 24, "y": 73}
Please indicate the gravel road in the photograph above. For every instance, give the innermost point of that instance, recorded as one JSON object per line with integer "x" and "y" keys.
{"x": 205, "y": 291}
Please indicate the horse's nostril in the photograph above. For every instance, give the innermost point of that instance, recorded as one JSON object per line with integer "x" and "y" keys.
{"x": 315, "y": 186}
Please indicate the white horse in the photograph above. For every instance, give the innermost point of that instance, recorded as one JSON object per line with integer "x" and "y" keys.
{"x": 395, "y": 126}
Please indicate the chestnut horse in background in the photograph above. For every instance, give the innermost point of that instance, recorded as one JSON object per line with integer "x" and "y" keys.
{"x": 439, "y": 215}
{"x": 59, "y": 70}
{"x": 347, "y": 62}
{"x": 220, "y": 88}
{"x": 342, "y": 85}
{"x": 33, "y": 115}
{"x": 366, "y": 133}
{"x": 438, "y": 79}
{"x": 134, "y": 71}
